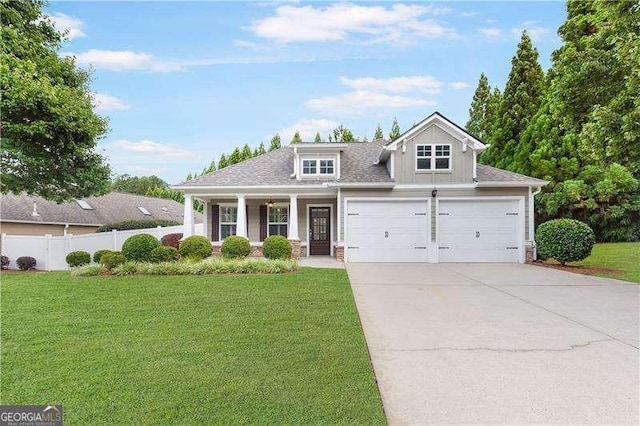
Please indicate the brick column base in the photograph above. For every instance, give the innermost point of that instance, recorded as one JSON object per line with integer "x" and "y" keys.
{"x": 339, "y": 252}
{"x": 528, "y": 254}
{"x": 295, "y": 249}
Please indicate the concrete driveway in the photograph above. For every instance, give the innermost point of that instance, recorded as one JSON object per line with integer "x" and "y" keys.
{"x": 500, "y": 343}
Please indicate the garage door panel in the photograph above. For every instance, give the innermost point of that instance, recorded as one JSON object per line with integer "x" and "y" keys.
{"x": 478, "y": 231}
{"x": 387, "y": 231}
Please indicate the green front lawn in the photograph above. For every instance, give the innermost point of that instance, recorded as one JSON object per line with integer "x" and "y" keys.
{"x": 621, "y": 257}
{"x": 188, "y": 349}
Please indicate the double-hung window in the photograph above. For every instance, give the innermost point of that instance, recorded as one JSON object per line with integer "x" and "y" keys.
{"x": 316, "y": 167}
{"x": 433, "y": 157}
{"x": 278, "y": 220}
{"x": 228, "y": 220}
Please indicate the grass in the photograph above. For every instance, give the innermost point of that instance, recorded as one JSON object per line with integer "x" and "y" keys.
{"x": 188, "y": 349}
{"x": 622, "y": 257}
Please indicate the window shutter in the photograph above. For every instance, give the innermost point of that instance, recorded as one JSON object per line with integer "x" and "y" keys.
{"x": 263, "y": 222}
{"x": 247, "y": 217}
{"x": 215, "y": 222}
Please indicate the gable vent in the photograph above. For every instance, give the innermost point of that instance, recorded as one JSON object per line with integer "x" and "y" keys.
{"x": 84, "y": 205}
{"x": 144, "y": 211}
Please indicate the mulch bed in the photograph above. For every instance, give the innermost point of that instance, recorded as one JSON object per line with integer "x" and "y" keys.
{"x": 579, "y": 269}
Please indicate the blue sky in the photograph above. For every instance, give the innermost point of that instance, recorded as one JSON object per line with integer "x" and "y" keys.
{"x": 183, "y": 82}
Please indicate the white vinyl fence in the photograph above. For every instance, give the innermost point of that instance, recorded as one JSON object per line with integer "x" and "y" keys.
{"x": 50, "y": 251}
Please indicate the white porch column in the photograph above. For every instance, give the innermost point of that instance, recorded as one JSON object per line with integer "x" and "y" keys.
{"x": 188, "y": 216}
{"x": 241, "y": 218}
{"x": 206, "y": 218}
{"x": 293, "y": 218}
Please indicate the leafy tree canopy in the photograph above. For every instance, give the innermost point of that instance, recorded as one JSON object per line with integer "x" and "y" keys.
{"x": 137, "y": 184}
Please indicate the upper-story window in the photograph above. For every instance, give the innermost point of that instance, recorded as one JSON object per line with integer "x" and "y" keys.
{"x": 317, "y": 167}
{"x": 433, "y": 157}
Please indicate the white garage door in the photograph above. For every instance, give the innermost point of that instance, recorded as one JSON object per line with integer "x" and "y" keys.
{"x": 387, "y": 231}
{"x": 479, "y": 231}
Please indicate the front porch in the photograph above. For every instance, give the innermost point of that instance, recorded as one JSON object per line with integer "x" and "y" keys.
{"x": 311, "y": 222}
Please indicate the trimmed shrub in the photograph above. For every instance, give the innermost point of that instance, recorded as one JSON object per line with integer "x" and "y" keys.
{"x": 196, "y": 247}
{"x": 276, "y": 247}
{"x": 138, "y": 247}
{"x": 172, "y": 240}
{"x": 565, "y": 240}
{"x": 164, "y": 254}
{"x": 112, "y": 259}
{"x": 136, "y": 224}
{"x": 78, "y": 258}
{"x": 26, "y": 262}
{"x": 234, "y": 247}
{"x": 98, "y": 254}
{"x": 4, "y": 262}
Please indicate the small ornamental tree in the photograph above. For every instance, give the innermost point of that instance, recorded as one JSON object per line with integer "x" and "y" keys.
{"x": 138, "y": 247}
{"x": 565, "y": 240}
{"x": 172, "y": 240}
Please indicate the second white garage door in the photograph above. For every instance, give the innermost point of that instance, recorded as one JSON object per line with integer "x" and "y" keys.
{"x": 387, "y": 231}
{"x": 479, "y": 230}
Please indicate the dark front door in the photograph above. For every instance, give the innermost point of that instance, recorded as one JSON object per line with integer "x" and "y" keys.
{"x": 320, "y": 230}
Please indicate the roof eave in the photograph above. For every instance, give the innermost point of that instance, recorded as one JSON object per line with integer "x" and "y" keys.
{"x": 511, "y": 184}
{"x": 380, "y": 185}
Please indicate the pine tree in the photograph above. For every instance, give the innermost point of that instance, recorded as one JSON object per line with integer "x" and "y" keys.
{"x": 235, "y": 157}
{"x": 275, "y": 143}
{"x": 261, "y": 149}
{"x": 520, "y": 102}
{"x": 341, "y": 134}
{"x": 378, "y": 133}
{"x": 395, "y": 130}
{"x": 246, "y": 152}
{"x": 296, "y": 138}
{"x": 223, "y": 162}
{"x": 317, "y": 139}
{"x": 478, "y": 113}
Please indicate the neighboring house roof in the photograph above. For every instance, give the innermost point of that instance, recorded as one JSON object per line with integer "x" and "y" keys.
{"x": 276, "y": 167}
{"x": 113, "y": 207}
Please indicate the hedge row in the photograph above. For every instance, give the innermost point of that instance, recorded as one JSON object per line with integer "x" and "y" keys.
{"x": 136, "y": 224}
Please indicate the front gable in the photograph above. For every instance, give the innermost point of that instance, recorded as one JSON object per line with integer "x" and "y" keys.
{"x": 436, "y": 151}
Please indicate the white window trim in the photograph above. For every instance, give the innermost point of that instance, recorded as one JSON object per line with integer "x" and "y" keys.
{"x": 278, "y": 223}
{"x": 317, "y": 161}
{"x": 220, "y": 223}
{"x": 432, "y": 157}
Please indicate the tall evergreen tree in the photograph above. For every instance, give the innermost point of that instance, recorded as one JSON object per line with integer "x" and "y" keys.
{"x": 275, "y": 142}
{"x": 519, "y": 103}
{"x": 341, "y": 134}
{"x": 478, "y": 113}
{"x": 246, "y": 152}
{"x": 222, "y": 162}
{"x": 235, "y": 157}
{"x": 317, "y": 139}
{"x": 296, "y": 137}
{"x": 395, "y": 130}
{"x": 379, "y": 134}
{"x": 261, "y": 150}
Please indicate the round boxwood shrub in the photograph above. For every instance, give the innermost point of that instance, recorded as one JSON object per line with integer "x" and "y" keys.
{"x": 565, "y": 240}
{"x": 4, "y": 262}
{"x": 138, "y": 247}
{"x": 172, "y": 240}
{"x": 234, "y": 247}
{"x": 78, "y": 258}
{"x": 26, "y": 262}
{"x": 195, "y": 247}
{"x": 98, "y": 254}
{"x": 164, "y": 254}
{"x": 276, "y": 247}
{"x": 112, "y": 259}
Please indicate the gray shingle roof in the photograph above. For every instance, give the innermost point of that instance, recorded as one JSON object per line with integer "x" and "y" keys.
{"x": 276, "y": 167}
{"x": 492, "y": 174}
{"x": 113, "y": 207}
{"x": 358, "y": 165}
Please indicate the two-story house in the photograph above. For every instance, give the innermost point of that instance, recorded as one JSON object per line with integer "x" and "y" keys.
{"x": 420, "y": 198}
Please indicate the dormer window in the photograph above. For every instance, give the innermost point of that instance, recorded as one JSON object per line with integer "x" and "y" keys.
{"x": 433, "y": 157}
{"x": 317, "y": 167}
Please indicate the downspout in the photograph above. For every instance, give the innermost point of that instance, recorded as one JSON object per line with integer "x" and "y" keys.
{"x": 532, "y": 220}
{"x": 295, "y": 162}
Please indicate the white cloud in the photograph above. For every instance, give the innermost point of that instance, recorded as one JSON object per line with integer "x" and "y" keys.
{"x": 308, "y": 129}
{"x": 459, "y": 85}
{"x": 490, "y": 32}
{"x": 422, "y": 83}
{"x": 468, "y": 14}
{"x": 145, "y": 171}
{"x": 347, "y": 21}
{"x": 124, "y": 60}
{"x": 358, "y": 102}
{"x": 74, "y": 27}
{"x": 535, "y": 31}
{"x": 149, "y": 148}
{"x": 104, "y": 102}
